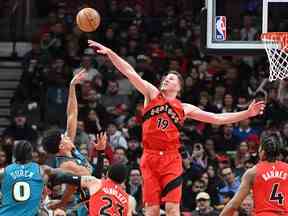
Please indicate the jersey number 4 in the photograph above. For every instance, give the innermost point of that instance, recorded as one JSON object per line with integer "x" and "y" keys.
{"x": 276, "y": 196}
{"x": 104, "y": 211}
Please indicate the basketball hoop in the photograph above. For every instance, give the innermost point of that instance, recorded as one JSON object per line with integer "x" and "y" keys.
{"x": 276, "y": 46}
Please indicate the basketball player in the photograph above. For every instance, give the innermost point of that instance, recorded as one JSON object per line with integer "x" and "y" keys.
{"x": 268, "y": 181}
{"x": 107, "y": 196}
{"x": 22, "y": 183}
{"x": 68, "y": 158}
{"x": 161, "y": 163}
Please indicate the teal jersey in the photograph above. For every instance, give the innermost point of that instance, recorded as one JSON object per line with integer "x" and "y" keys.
{"x": 79, "y": 159}
{"x": 22, "y": 188}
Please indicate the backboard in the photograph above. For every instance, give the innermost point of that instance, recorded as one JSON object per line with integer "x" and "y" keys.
{"x": 234, "y": 27}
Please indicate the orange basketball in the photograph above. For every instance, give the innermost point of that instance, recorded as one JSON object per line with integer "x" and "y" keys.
{"x": 88, "y": 19}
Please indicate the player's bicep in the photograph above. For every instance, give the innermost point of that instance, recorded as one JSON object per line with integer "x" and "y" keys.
{"x": 196, "y": 113}
{"x": 74, "y": 168}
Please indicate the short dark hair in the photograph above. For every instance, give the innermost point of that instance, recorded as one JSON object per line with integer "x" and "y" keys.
{"x": 51, "y": 141}
{"x": 118, "y": 173}
{"x": 272, "y": 145}
{"x": 23, "y": 152}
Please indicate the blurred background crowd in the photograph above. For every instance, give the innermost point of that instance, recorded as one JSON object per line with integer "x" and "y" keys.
{"x": 214, "y": 157}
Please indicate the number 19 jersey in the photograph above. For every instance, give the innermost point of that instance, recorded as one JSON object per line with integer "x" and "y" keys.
{"x": 22, "y": 188}
{"x": 270, "y": 189}
{"x": 163, "y": 120}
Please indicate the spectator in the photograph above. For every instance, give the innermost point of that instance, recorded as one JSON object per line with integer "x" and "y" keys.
{"x": 134, "y": 186}
{"x": 134, "y": 151}
{"x": 3, "y": 159}
{"x": 115, "y": 137}
{"x": 20, "y": 129}
{"x": 231, "y": 182}
{"x": 211, "y": 188}
{"x": 228, "y": 104}
{"x": 227, "y": 140}
{"x": 87, "y": 64}
{"x": 199, "y": 159}
{"x": 116, "y": 104}
{"x": 244, "y": 130}
{"x": 247, "y": 205}
{"x": 248, "y": 32}
{"x": 92, "y": 122}
{"x": 81, "y": 138}
{"x": 242, "y": 154}
{"x": 285, "y": 134}
{"x": 119, "y": 156}
{"x": 189, "y": 194}
{"x": 203, "y": 206}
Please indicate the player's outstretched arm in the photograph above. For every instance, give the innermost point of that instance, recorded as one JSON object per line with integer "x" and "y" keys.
{"x": 146, "y": 88}
{"x": 242, "y": 193}
{"x": 255, "y": 108}
{"x": 72, "y": 105}
{"x": 92, "y": 183}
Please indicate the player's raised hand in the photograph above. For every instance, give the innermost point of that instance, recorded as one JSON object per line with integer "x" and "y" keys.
{"x": 256, "y": 108}
{"x": 101, "y": 141}
{"x": 99, "y": 47}
{"x": 78, "y": 77}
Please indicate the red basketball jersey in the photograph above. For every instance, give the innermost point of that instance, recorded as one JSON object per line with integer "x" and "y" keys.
{"x": 163, "y": 119}
{"x": 111, "y": 199}
{"x": 270, "y": 189}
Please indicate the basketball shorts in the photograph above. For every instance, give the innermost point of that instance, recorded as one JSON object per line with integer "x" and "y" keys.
{"x": 162, "y": 181}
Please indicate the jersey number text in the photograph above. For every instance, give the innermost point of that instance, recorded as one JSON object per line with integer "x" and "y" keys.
{"x": 275, "y": 195}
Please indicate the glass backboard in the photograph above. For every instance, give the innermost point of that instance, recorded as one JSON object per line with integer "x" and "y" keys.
{"x": 235, "y": 26}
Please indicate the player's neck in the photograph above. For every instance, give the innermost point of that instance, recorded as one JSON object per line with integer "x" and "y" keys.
{"x": 169, "y": 94}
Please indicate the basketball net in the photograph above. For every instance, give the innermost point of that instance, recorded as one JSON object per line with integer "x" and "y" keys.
{"x": 276, "y": 46}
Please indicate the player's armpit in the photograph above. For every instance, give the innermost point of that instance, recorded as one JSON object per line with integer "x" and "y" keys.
{"x": 242, "y": 193}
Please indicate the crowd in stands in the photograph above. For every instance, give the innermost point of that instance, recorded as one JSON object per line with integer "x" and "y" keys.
{"x": 214, "y": 157}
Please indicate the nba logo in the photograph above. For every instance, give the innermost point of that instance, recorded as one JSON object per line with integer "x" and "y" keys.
{"x": 220, "y": 32}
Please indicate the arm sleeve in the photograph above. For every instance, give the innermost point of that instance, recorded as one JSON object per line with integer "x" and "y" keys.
{"x": 61, "y": 178}
{"x": 98, "y": 171}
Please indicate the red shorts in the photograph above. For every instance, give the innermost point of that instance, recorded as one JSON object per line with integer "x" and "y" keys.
{"x": 158, "y": 169}
{"x": 270, "y": 214}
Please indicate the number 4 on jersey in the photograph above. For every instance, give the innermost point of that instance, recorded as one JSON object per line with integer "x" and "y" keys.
{"x": 276, "y": 196}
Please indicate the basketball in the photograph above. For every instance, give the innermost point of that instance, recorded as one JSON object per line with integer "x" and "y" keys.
{"x": 88, "y": 19}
